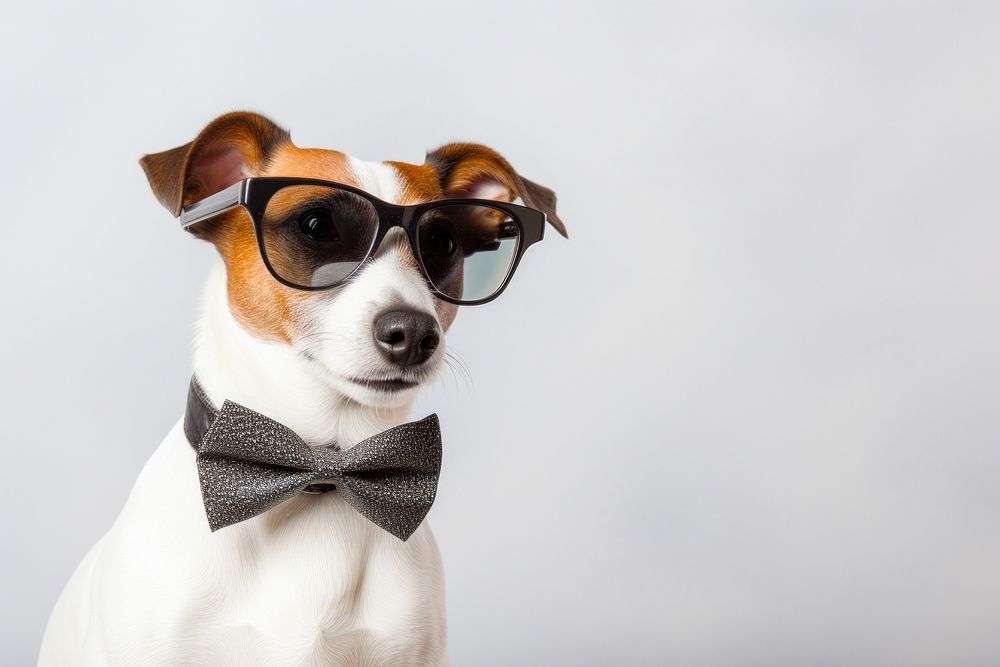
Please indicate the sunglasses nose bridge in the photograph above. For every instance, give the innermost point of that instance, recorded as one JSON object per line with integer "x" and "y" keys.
{"x": 389, "y": 216}
{"x": 399, "y": 216}
{"x": 407, "y": 221}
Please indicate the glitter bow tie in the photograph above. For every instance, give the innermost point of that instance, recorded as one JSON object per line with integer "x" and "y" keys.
{"x": 249, "y": 463}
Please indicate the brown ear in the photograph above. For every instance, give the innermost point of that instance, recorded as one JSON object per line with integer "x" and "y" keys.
{"x": 474, "y": 170}
{"x": 229, "y": 149}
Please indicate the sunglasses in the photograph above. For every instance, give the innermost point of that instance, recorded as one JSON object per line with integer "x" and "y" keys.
{"x": 314, "y": 234}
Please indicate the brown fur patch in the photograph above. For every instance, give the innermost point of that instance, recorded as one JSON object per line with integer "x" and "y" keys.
{"x": 462, "y": 166}
{"x": 292, "y": 161}
{"x": 260, "y": 303}
{"x": 420, "y": 182}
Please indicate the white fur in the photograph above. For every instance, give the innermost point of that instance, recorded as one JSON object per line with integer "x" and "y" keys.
{"x": 309, "y": 582}
{"x": 377, "y": 178}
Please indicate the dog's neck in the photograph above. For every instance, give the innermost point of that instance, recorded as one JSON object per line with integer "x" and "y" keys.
{"x": 275, "y": 379}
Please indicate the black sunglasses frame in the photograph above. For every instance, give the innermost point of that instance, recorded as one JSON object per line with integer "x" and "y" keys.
{"x": 254, "y": 193}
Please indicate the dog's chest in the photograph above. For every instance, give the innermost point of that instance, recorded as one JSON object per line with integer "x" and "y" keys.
{"x": 323, "y": 585}
{"x": 309, "y": 582}
{"x": 306, "y": 559}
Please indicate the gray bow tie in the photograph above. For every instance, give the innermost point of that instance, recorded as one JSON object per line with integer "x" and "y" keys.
{"x": 249, "y": 463}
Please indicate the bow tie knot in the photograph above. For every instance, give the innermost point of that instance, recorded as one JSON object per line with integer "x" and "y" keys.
{"x": 328, "y": 461}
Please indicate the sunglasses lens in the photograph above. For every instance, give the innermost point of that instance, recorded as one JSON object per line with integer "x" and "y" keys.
{"x": 468, "y": 250}
{"x": 316, "y": 236}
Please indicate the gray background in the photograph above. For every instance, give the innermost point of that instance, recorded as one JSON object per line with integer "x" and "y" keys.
{"x": 756, "y": 392}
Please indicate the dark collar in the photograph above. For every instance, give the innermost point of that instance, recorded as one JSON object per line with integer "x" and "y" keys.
{"x": 199, "y": 415}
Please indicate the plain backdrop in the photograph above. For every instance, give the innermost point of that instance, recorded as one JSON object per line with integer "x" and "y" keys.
{"x": 746, "y": 415}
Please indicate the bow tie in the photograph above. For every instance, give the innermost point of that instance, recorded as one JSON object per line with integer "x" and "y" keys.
{"x": 249, "y": 463}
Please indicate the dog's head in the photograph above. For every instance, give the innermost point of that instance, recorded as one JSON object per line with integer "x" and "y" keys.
{"x": 378, "y": 336}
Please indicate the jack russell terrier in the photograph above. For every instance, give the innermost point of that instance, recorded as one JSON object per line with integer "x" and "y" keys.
{"x": 338, "y": 280}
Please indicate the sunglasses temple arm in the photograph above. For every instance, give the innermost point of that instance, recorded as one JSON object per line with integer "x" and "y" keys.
{"x": 220, "y": 202}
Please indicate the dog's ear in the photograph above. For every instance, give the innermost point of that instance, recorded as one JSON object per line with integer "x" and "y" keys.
{"x": 229, "y": 149}
{"x": 474, "y": 170}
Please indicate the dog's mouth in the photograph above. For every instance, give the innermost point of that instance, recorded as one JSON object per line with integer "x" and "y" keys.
{"x": 396, "y": 384}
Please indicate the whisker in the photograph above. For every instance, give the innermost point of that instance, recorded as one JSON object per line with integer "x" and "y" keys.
{"x": 464, "y": 367}
{"x": 459, "y": 370}
{"x": 321, "y": 335}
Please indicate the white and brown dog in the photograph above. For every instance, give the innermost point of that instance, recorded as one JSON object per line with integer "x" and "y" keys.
{"x": 311, "y": 581}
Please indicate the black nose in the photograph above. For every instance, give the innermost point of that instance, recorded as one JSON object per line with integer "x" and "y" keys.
{"x": 406, "y": 337}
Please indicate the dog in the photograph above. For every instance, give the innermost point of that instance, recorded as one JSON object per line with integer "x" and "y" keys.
{"x": 311, "y": 581}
